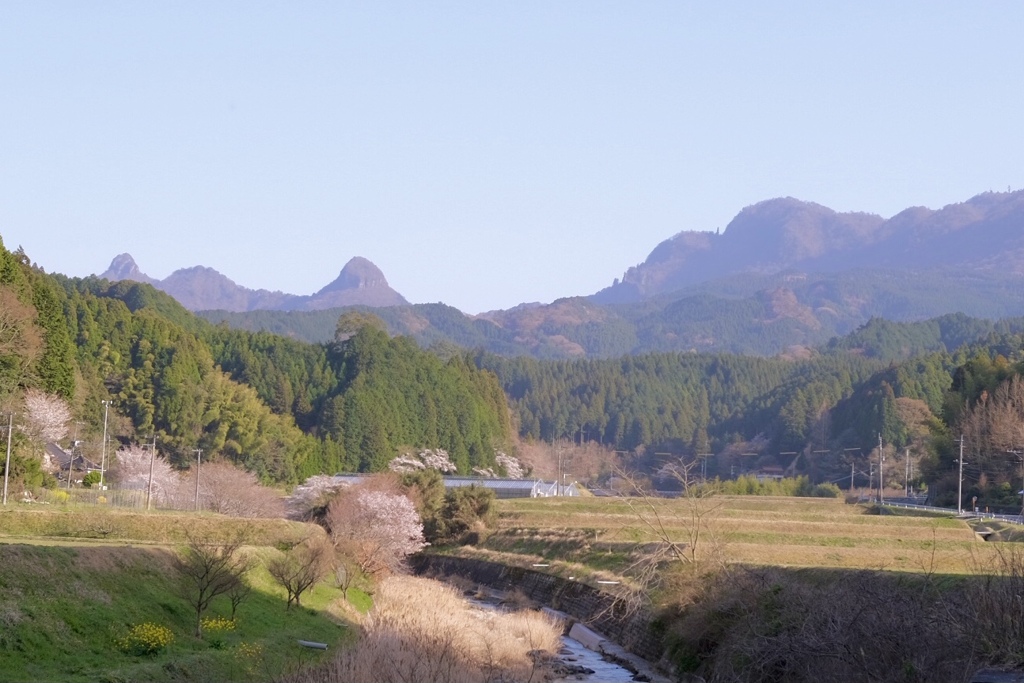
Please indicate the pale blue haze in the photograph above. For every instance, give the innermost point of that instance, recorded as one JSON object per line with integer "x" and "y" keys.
{"x": 481, "y": 153}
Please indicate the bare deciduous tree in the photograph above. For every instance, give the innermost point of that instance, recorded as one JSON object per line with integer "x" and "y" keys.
{"x": 231, "y": 491}
{"x": 667, "y": 519}
{"x": 237, "y": 594}
{"x": 302, "y": 567}
{"x": 682, "y": 530}
{"x": 210, "y": 569}
{"x": 20, "y": 340}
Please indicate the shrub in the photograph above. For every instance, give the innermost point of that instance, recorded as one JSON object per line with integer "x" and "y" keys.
{"x": 828, "y": 490}
{"x": 145, "y": 639}
{"x": 249, "y": 656}
{"x": 218, "y": 624}
{"x": 90, "y": 479}
{"x": 466, "y": 509}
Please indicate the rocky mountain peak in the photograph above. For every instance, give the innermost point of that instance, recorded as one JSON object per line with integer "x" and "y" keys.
{"x": 201, "y": 288}
{"x": 358, "y": 273}
{"x": 123, "y": 267}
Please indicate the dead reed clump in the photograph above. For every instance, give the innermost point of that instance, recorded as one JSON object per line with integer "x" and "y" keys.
{"x": 994, "y": 609}
{"x": 766, "y": 624}
{"x": 421, "y": 630}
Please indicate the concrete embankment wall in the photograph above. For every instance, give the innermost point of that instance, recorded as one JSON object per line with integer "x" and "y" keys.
{"x": 589, "y": 605}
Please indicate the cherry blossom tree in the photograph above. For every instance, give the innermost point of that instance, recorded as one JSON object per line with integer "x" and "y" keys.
{"x": 131, "y": 471}
{"x": 311, "y": 495}
{"x": 512, "y": 466}
{"x": 429, "y": 459}
{"x": 46, "y": 416}
{"x": 377, "y": 529}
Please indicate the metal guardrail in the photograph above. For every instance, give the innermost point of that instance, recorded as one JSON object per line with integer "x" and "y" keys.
{"x": 966, "y": 514}
{"x": 1012, "y": 519}
{"x": 918, "y": 506}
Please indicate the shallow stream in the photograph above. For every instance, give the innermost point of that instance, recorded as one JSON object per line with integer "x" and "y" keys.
{"x": 574, "y": 653}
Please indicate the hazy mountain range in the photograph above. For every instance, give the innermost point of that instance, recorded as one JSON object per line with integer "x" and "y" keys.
{"x": 984, "y": 234}
{"x": 783, "y": 273}
{"x": 360, "y": 283}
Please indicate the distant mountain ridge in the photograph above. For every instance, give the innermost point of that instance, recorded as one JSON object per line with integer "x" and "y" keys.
{"x": 199, "y": 288}
{"x": 784, "y": 277}
{"x": 984, "y": 234}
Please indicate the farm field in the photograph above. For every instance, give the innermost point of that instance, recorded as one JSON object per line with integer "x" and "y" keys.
{"x": 784, "y": 532}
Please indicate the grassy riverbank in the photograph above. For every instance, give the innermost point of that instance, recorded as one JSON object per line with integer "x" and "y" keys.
{"x": 72, "y": 586}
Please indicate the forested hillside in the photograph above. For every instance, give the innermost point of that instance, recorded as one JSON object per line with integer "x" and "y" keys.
{"x": 823, "y": 416}
{"x": 286, "y": 409}
{"x": 371, "y": 395}
{"x": 282, "y": 409}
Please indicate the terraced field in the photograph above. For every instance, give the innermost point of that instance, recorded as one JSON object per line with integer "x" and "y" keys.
{"x": 792, "y": 532}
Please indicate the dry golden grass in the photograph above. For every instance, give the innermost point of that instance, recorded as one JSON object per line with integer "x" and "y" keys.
{"x": 98, "y": 524}
{"x": 422, "y": 630}
{"x": 792, "y": 532}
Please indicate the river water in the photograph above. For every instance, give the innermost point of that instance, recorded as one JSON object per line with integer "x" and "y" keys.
{"x": 574, "y": 653}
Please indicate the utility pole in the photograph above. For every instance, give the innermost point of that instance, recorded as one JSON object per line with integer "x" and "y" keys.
{"x": 103, "y": 456}
{"x": 960, "y": 486}
{"x": 199, "y": 461}
{"x": 704, "y": 464}
{"x": 7, "y": 467}
{"x": 907, "y": 479}
{"x": 1020, "y": 456}
{"x": 71, "y": 464}
{"x": 881, "y": 477}
{"x": 850, "y": 453}
{"x": 152, "y": 460}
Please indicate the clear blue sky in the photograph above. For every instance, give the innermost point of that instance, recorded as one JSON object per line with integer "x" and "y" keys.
{"x": 482, "y": 154}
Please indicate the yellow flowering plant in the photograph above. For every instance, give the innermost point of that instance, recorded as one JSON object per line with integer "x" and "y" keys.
{"x": 145, "y": 639}
{"x": 217, "y": 624}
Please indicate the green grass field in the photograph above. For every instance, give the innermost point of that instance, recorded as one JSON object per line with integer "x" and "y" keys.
{"x": 71, "y": 585}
